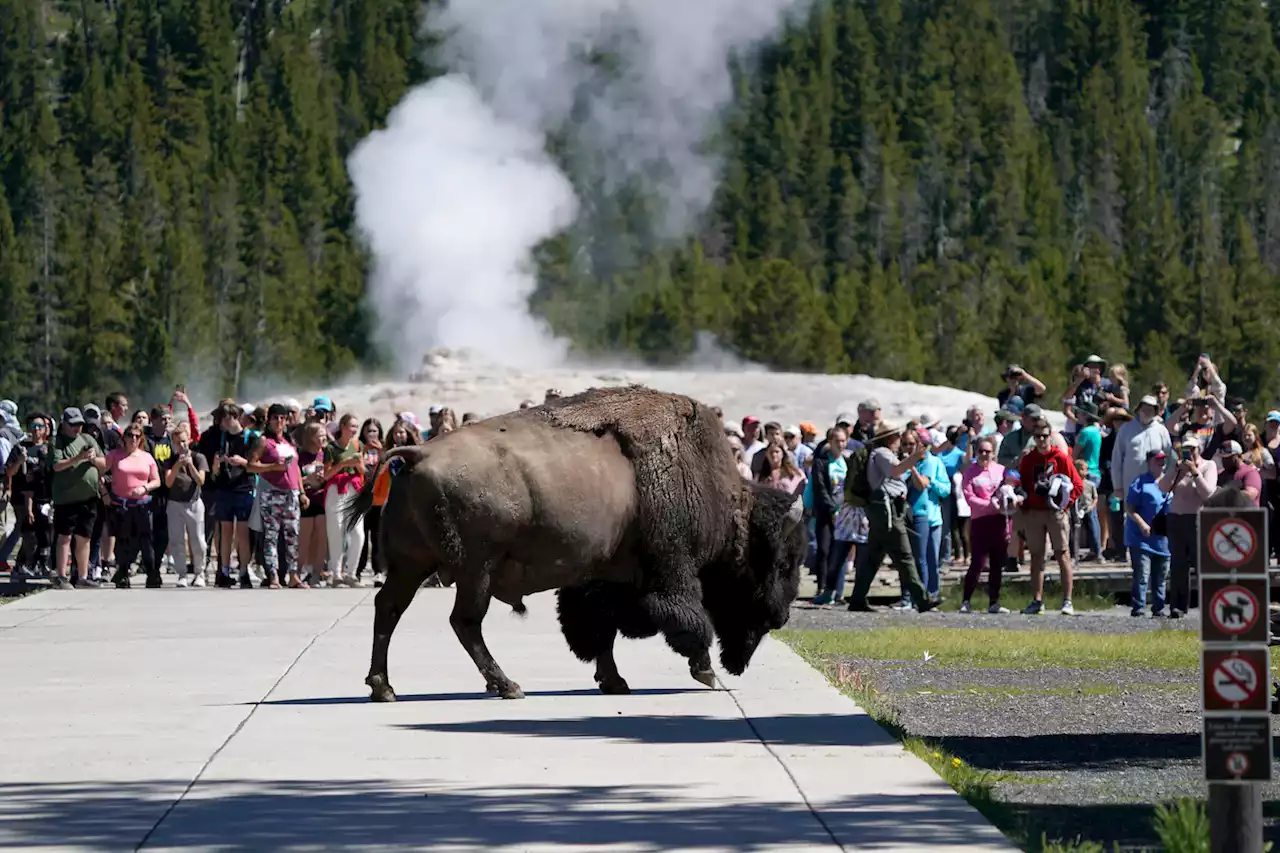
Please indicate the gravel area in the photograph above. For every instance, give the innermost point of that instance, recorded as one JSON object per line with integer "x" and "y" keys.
{"x": 1081, "y": 752}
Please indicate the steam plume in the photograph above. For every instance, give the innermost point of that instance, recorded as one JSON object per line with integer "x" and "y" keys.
{"x": 455, "y": 193}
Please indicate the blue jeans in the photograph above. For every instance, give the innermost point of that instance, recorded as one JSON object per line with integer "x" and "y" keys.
{"x": 1148, "y": 566}
{"x": 926, "y": 543}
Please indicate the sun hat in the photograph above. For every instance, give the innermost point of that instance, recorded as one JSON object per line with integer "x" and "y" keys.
{"x": 885, "y": 431}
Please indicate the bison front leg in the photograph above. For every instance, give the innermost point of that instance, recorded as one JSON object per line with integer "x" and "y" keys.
{"x": 388, "y": 606}
{"x": 588, "y": 620}
{"x": 469, "y": 609}
{"x": 687, "y": 629}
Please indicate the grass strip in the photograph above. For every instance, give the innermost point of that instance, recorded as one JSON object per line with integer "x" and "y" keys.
{"x": 1169, "y": 649}
{"x": 1085, "y": 596}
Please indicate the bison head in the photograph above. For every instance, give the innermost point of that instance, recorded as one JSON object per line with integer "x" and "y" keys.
{"x": 751, "y": 594}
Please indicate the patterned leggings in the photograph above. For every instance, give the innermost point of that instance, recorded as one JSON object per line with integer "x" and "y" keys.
{"x": 280, "y": 514}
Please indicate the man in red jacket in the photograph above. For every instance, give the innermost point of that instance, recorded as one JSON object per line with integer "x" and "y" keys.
{"x": 1052, "y": 483}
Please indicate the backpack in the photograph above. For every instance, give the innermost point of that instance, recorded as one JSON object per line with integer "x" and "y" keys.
{"x": 857, "y": 489}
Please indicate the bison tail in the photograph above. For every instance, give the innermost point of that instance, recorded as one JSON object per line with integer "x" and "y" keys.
{"x": 376, "y": 489}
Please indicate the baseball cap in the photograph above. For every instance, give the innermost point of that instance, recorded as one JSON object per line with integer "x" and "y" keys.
{"x": 72, "y": 415}
{"x": 293, "y": 404}
{"x": 1273, "y": 415}
{"x": 750, "y": 419}
{"x": 1156, "y": 454}
{"x": 928, "y": 420}
{"x": 791, "y": 430}
{"x": 871, "y": 404}
{"x": 848, "y": 418}
{"x": 1232, "y": 448}
{"x": 1150, "y": 401}
{"x": 1089, "y": 410}
{"x": 322, "y": 404}
{"x": 733, "y": 429}
{"x": 435, "y": 410}
{"x": 1033, "y": 411}
{"x": 1190, "y": 441}
{"x": 1014, "y": 405}
{"x": 1096, "y": 359}
{"x": 808, "y": 428}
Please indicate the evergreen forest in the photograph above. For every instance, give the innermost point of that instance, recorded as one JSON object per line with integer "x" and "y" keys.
{"x": 917, "y": 189}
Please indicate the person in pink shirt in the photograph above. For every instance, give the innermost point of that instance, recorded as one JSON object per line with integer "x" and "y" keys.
{"x": 134, "y": 476}
{"x": 989, "y": 528}
{"x": 1192, "y": 481}
{"x": 1239, "y": 474}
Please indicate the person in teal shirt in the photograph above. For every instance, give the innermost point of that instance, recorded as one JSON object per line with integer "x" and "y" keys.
{"x": 1088, "y": 447}
{"x": 927, "y": 486}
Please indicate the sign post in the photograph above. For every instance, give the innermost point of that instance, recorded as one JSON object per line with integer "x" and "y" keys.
{"x": 1235, "y": 593}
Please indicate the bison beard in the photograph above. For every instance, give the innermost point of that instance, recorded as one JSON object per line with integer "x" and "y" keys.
{"x": 626, "y": 500}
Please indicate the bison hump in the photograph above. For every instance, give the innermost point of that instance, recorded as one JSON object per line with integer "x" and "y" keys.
{"x": 642, "y": 419}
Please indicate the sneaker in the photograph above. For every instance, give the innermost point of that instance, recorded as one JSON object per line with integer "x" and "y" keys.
{"x": 88, "y": 583}
{"x": 1067, "y": 608}
{"x": 1137, "y": 612}
{"x": 997, "y": 609}
{"x": 352, "y": 581}
{"x": 246, "y": 582}
{"x": 60, "y": 582}
{"x": 1035, "y": 608}
{"x": 182, "y": 581}
{"x": 378, "y": 579}
{"x": 223, "y": 579}
{"x": 964, "y": 607}
{"x": 822, "y": 598}
{"x": 197, "y": 579}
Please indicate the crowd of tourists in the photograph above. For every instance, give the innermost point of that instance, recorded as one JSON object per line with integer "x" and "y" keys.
{"x": 102, "y": 494}
{"x": 1122, "y": 482}
{"x": 99, "y": 495}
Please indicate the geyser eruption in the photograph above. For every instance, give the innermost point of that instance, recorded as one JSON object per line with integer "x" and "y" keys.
{"x": 456, "y": 192}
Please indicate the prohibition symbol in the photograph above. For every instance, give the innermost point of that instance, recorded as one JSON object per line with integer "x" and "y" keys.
{"x": 1235, "y": 680}
{"x": 1237, "y": 763}
{"x": 1233, "y": 610}
{"x": 1232, "y": 542}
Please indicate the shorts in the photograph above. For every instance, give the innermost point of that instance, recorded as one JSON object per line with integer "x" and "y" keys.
{"x": 233, "y": 506}
{"x": 76, "y": 519}
{"x": 315, "y": 509}
{"x": 1037, "y": 523}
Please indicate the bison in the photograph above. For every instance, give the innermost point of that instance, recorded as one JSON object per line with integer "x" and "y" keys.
{"x": 625, "y": 500}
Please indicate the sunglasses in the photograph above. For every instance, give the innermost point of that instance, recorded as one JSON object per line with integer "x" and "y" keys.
{"x": 1041, "y": 435}
{"x": 985, "y": 451}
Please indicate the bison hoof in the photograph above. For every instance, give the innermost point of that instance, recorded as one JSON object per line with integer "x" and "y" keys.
{"x": 614, "y": 686}
{"x": 509, "y": 690}
{"x": 705, "y": 676}
{"x": 382, "y": 691}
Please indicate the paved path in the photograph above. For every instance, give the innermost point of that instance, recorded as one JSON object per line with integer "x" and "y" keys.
{"x": 238, "y": 720}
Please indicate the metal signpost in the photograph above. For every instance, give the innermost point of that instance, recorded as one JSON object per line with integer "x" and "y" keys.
{"x": 1235, "y": 593}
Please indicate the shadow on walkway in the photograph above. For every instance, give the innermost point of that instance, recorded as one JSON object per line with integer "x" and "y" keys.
{"x": 791, "y": 730}
{"x": 338, "y": 814}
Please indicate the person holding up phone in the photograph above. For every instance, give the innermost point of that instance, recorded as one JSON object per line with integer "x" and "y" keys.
{"x": 1191, "y": 482}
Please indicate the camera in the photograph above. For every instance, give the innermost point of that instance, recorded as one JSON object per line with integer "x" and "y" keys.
{"x": 1187, "y": 453}
{"x": 1042, "y": 487}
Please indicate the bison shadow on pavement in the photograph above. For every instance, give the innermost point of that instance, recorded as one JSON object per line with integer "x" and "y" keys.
{"x": 242, "y": 815}
{"x": 789, "y": 730}
{"x": 478, "y": 695}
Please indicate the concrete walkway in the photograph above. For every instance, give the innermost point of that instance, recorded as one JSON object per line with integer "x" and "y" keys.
{"x": 238, "y": 720}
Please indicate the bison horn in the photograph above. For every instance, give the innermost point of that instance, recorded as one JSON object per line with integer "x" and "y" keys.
{"x": 796, "y": 513}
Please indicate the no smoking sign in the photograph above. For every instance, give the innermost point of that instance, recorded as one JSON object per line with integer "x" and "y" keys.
{"x": 1235, "y": 610}
{"x": 1236, "y": 680}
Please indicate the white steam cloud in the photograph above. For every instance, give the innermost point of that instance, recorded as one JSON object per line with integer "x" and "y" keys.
{"x": 456, "y": 192}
